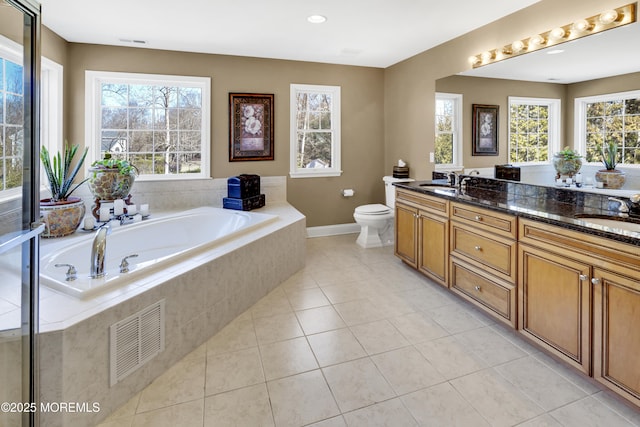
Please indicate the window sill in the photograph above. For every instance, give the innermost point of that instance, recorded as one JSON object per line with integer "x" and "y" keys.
{"x": 315, "y": 174}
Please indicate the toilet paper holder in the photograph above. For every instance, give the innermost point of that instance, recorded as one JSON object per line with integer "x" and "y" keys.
{"x": 347, "y": 192}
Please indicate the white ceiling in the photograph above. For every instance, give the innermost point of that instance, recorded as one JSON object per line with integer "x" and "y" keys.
{"x": 376, "y": 33}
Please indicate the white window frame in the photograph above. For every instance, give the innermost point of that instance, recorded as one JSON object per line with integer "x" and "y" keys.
{"x": 457, "y": 131}
{"x": 51, "y": 107}
{"x": 580, "y": 121}
{"x": 335, "y": 169}
{"x": 555, "y": 120}
{"x": 93, "y": 82}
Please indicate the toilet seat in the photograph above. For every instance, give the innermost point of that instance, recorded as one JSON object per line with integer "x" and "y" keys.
{"x": 373, "y": 209}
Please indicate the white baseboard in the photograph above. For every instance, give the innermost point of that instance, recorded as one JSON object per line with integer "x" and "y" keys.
{"x": 333, "y": 230}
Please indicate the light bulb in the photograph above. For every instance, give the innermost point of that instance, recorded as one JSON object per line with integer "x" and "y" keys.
{"x": 517, "y": 46}
{"x": 557, "y": 34}
{"x": 536, "y": 41}
{"x": 486, "y": 56}
{"x": 581, "y": 26}
{"x": 473, "y": 60}
{"x": 608, "y": 16}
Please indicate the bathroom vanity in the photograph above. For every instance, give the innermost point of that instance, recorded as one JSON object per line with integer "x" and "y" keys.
{"x": 562, "y": 267}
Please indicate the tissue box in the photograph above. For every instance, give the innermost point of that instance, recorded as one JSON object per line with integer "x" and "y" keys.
{"x": 243, "y": 186}
{"x": 246, "y": 204}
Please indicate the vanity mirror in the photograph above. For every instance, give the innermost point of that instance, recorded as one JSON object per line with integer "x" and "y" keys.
{"x": 605, "y": 63}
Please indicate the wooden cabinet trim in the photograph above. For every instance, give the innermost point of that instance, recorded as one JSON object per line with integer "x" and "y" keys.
{"x": 432, "y": 204}
{"x": 596, "y": 250}
{"x": 484, "y": 290}
{"x": 485, "y": 250}
{"x": 496, "y": 222}
{"x": 437, "y": 267}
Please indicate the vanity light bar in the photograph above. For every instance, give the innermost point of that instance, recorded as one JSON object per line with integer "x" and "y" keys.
{"x": 605, "y": 20}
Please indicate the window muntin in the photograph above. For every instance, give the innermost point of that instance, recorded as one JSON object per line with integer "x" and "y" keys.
{"x": 315, "y": 131}
{"x": 606, "y": 118}
{"x": 534, "y": 129}
{"x": 158, "y": 123}
{"x": 448, "y": 141}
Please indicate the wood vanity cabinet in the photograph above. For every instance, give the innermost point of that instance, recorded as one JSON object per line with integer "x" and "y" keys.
{"x": 616, "y": 339}
{"x": 579, "y": 297}
{"x": 422, "y": 233}
{"x": 483, "y": 264}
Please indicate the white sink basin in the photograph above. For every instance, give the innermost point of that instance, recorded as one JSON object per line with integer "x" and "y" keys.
{"x": 448, "y": 190}
{"x": 612, "y": 223}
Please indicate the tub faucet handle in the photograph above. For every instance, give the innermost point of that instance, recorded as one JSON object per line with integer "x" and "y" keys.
{"x": 72, "y": 273}
{"x": 124, "y": 264}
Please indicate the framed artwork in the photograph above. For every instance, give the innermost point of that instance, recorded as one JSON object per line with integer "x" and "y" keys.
{"x": 250, "y": 126}
{"x": 485, "y": 130}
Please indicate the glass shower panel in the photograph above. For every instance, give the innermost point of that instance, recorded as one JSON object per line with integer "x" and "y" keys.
{"x": 19, "y": 229}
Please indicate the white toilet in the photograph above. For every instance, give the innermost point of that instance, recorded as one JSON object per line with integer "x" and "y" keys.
{"x": 376, "y": 219}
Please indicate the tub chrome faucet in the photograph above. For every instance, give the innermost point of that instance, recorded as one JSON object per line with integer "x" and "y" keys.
{"x": 98, "y": 251}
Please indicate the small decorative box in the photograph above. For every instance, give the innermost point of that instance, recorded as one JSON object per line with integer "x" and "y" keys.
{"x": 245, "y": 204}
{"x": 243, "y": 186}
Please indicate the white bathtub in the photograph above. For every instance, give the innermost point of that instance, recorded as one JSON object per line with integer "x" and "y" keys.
{"x": 158, "y": 243}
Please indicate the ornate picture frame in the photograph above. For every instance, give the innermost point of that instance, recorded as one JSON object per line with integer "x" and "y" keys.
{"x": 250, "y": 126}
{"x": 485, "y": 130}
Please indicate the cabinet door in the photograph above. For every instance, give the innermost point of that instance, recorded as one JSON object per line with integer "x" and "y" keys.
{"x": 433, "y": 247}
{"x": 555, "y": 300}
{"x": 406, "y": 241}
{"x": 616, "y": 311}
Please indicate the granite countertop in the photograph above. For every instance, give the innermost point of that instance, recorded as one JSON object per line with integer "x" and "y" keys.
{"x": 558, "y": 206}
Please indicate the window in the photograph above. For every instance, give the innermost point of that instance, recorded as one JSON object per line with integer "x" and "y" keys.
{"x": 315, "y": 131}
{"x": 606, "y": 118}
{"x": 448, "y": 145}
{"x": 11, "y": 118}
{"x": 534, "y": 129}
{"x": 11, "y": 114}
{"x": 158, "y": 123}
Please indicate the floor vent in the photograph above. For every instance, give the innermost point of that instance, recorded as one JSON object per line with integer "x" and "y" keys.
{"x": 136, "y": 340}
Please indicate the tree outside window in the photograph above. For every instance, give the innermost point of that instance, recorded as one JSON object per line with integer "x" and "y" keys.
{"x": 614, "y": 120}
{"x": 157, "y": 123}
{"x": 533, "y": 129}
{"x": 315, "y": 130}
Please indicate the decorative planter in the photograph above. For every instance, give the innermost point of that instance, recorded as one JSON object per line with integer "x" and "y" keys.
{"x": 566, "y": 167}
{"x": 61, "y": 218}
{"x": 109, "y": 184}
{"x": 611, "y": 178}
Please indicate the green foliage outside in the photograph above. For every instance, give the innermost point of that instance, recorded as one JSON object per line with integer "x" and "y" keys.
{"x": 614, "y": 122}
{"x": 528, "y": 133}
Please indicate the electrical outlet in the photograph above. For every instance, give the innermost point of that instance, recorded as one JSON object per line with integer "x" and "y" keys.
{"x": 432, "y": 157}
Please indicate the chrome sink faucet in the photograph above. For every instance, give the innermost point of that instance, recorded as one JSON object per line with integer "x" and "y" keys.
{"x": 98, "y": 251}
{"x": 623, "y": 208}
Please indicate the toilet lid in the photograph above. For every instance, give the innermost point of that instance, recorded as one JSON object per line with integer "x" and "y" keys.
{"x": 375, "y": 209}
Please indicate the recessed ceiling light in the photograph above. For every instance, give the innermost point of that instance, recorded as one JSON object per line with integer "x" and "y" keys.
{"x": 317, "y": 19}
{"x": 555, "y": 52}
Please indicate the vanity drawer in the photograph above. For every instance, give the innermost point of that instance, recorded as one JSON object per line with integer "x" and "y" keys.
{"x": 485, "y": 219}
{"x": 496, "y": 295}
{"x": 491, "y": 252}
{"x": 432, "y": 204}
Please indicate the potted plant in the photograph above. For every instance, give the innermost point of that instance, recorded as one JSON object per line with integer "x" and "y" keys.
{"x": 610, "y": 176}
{"x": 110, "y": 178}
{"x": 567, "y": 162}
{"x": 62, "y": 213}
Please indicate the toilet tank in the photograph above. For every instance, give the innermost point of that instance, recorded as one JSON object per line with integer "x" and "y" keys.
{"x": 390, "y": 190}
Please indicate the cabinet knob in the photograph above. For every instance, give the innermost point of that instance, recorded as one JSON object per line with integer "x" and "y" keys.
{"x": 583, "y": 277}
{"x": 595, "y": 281}
{"x": 477, "y": 288}
{"x": 478, "y": 218}
{"x": 477, "y": 248}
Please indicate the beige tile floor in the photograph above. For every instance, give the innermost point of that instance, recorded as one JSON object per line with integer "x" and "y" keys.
{"x": 359, "y": 339}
